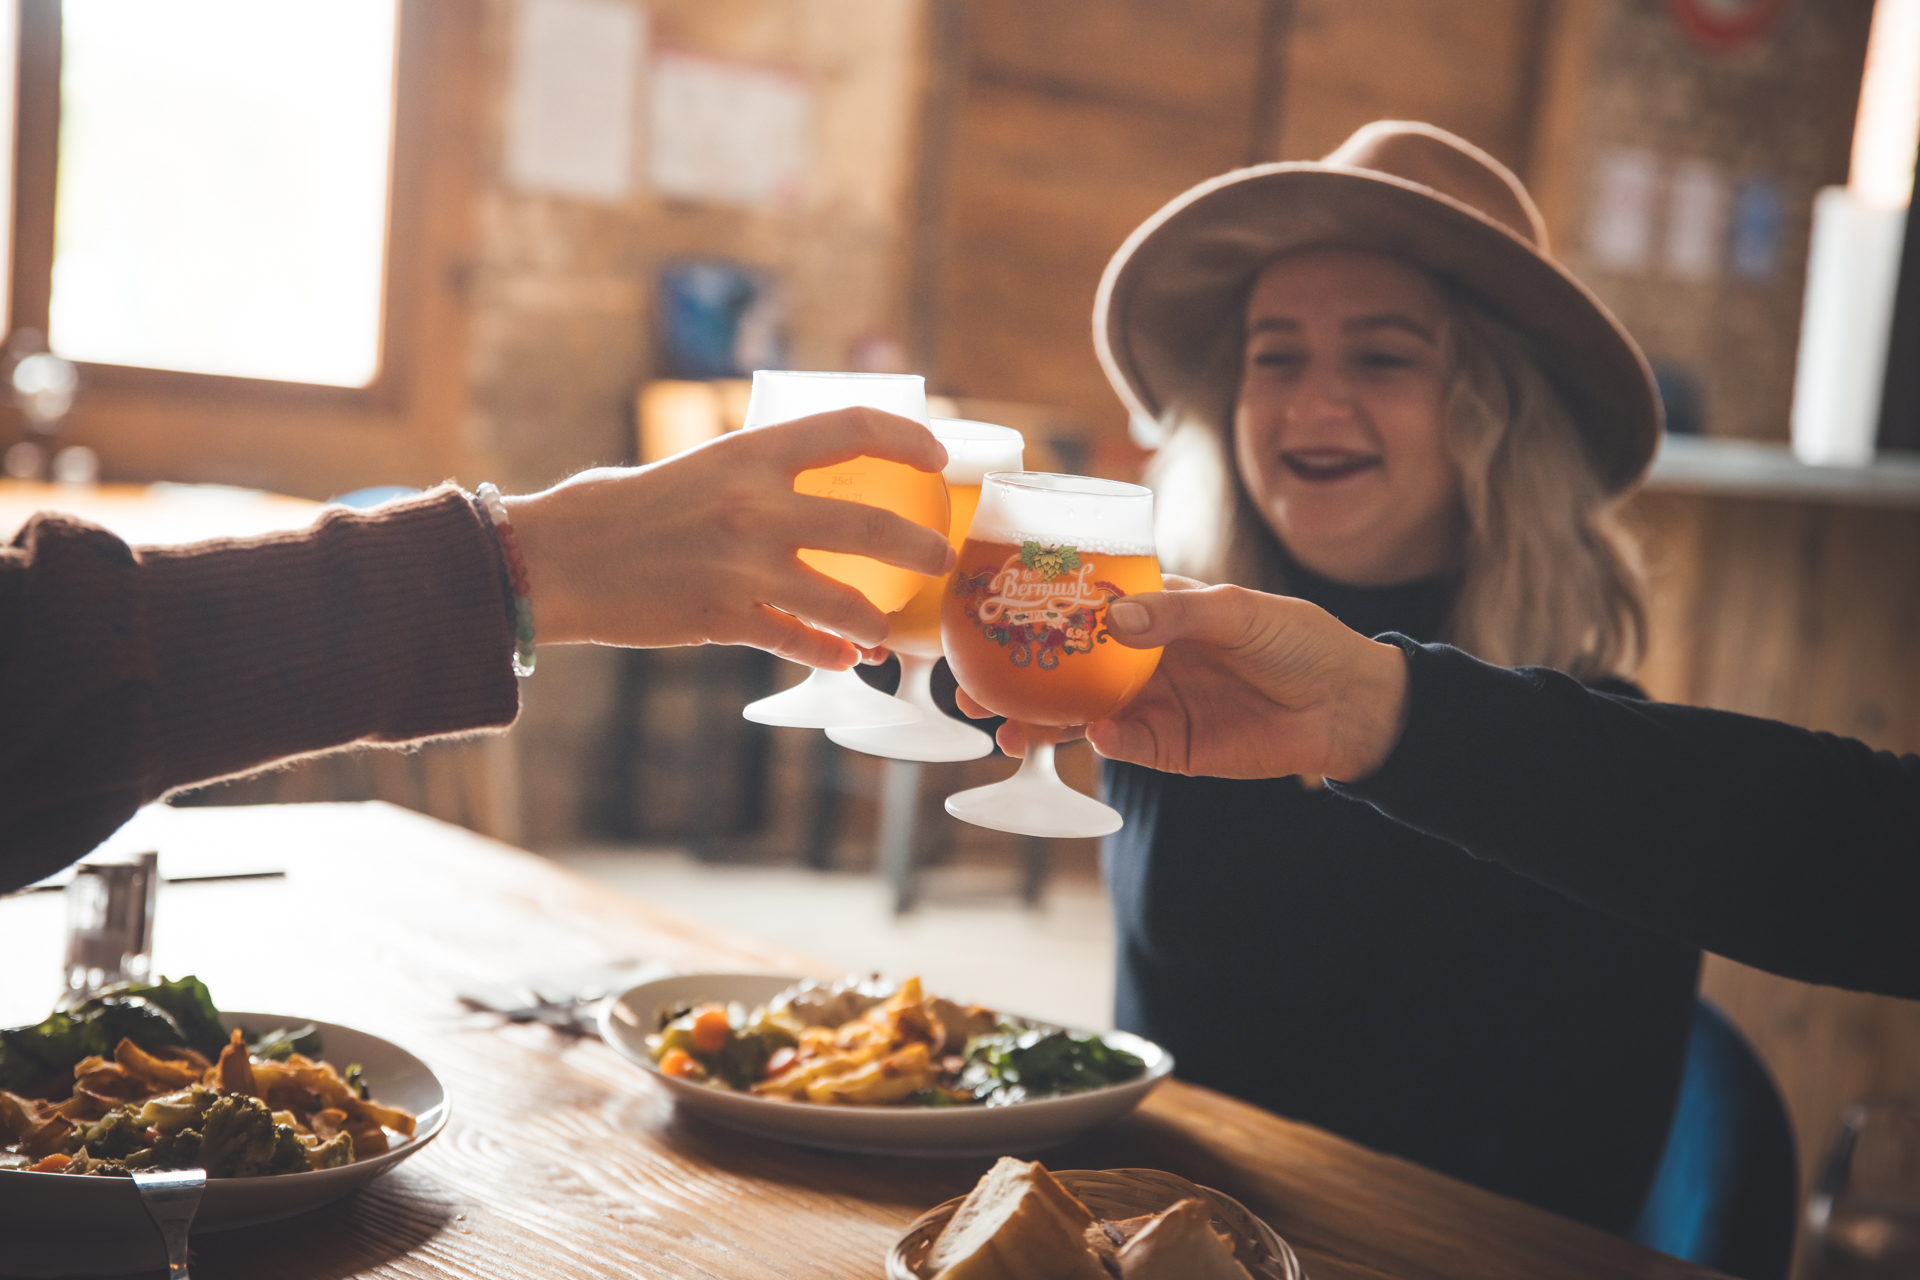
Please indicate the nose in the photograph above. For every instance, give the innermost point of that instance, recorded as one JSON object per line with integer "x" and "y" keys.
{"x": 1322, "y": 393}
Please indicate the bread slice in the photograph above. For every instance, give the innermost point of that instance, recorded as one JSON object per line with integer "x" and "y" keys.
{"x": 1180, "y": 1244}
{"x": 1016, "y": 1224}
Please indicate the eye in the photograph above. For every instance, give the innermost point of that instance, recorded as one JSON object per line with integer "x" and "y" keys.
{"x": 1277, "y": 359}
{"x": 1381, "y": 360}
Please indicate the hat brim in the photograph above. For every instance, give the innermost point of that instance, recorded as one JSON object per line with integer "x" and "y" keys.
{"x": 1180, "y": 278}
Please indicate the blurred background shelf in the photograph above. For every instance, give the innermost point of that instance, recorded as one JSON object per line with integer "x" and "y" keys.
{"x": 1761, "y": 469}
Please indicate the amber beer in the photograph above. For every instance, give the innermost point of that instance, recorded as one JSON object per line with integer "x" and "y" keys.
{"x": 916, "y": 628}
{"x": 919, "y": 496}
{"x": 1025, "y": 627}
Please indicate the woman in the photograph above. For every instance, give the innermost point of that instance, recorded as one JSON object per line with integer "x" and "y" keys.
{"x": 127, "y": 673}
{"x": 1382, "y": 395}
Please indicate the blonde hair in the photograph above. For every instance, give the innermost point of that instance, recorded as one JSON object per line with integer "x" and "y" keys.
{"x": 1550, "y": 578}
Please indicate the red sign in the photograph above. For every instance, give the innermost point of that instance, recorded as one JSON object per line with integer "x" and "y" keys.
{"x": 1721, "y": 26}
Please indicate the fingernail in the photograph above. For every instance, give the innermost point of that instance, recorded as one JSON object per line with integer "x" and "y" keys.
{"x": 1128, "y": 618}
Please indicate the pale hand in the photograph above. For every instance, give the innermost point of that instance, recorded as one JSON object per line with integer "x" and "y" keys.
{"x": 702, "y": 548}
{"x": 1250, "y": 686}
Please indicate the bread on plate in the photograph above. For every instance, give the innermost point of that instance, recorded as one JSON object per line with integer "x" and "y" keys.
{"x": 1178, "y": 1243}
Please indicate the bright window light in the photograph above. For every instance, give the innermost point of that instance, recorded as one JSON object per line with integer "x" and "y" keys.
{"x": 1887, "y": 130}
{"x": 222, "y": 199}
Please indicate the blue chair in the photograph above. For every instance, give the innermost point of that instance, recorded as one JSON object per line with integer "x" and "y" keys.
{"x": 1727, "y": 1191}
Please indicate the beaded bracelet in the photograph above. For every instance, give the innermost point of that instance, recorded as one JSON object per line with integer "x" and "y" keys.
{"x": 522, "y": 610}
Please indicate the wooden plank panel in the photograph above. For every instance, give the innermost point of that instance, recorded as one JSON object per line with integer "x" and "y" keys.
{"x": 1468, "y": 68}
{"x": 1044, "y": 190}
{"x": 1189, "y": 58}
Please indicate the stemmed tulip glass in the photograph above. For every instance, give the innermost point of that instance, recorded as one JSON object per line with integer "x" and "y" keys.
{"x": 1025, "y": 628}
{"x": 834, "y": 699}
{"x": 973, "y": 450}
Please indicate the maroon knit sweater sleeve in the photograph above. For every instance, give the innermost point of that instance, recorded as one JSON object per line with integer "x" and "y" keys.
{"x": 125, "y": 673}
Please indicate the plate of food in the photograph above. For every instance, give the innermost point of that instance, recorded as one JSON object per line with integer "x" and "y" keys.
{"x": 867, "y": 1065}
{"x": 1090, "y": 1224}
{"x": 286, "y": 1114}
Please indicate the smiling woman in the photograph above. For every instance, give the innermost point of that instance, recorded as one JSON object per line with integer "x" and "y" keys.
{"x": 1384, "y": 396}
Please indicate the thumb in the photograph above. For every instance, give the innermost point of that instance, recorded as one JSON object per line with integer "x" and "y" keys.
{"x": 1214, "y": 614}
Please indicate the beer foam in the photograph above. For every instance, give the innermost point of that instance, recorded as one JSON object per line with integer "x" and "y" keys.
{"x": 1085, "y": 546}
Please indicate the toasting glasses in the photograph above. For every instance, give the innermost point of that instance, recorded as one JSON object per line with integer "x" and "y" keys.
{"x": 973, "y": 450}
{"x": 1025, "y": 629}
{"x": 831, "y": 699}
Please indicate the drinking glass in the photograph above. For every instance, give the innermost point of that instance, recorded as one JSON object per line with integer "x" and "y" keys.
{"x": 831, "y": 699}
{"x": 973, "y": 449}
{"x": 1863, "y": 1218}
{"x": 1025, "y": 629}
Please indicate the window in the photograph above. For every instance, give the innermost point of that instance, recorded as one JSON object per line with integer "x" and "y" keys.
{"x": 221, "y": 201}
{"x": 249, "y": 222}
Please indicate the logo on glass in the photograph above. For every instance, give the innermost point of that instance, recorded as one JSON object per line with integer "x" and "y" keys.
{"x": 1042, "y": 602}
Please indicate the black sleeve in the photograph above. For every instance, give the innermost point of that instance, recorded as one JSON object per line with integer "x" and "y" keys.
{"x": 1792, "y": 851}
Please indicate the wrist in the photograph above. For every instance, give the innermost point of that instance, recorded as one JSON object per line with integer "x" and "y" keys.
{"x": 548, "y": 589}
{"x": 1373, "y": 713}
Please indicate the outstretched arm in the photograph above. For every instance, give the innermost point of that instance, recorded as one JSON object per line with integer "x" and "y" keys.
{"x": 125, "y": 673}
{"x": 1793, "y": 851}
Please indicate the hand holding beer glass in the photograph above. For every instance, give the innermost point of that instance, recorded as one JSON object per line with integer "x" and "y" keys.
{"x": 973, "y": 450}
{"x": 827, "y": 699}
{"x": 1025, "y": 628}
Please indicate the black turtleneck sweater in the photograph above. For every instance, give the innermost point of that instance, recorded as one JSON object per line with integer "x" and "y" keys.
{"x": 1303, "y": 951}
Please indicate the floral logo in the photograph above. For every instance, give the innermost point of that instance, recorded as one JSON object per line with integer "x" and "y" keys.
{"x": 1042, "y": 604}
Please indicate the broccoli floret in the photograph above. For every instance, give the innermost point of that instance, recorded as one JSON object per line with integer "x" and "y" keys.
{"x": 177, "y": 1150}
{"x": 116, "y": 1135}
{"x": 238, "y": 1138}
{"x": 289, "y": 1153}
{"x": 333, "y": 1153}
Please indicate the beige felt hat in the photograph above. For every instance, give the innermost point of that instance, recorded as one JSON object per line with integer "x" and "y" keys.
{"x": 1395, "y": 187}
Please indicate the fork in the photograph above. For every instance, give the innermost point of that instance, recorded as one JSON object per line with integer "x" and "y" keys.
{"x": 171, "y": 1197}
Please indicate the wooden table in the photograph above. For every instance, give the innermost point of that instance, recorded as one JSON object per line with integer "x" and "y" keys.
{"x": 563, "y": 1160}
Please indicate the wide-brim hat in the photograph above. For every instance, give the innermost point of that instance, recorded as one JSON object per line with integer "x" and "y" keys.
{"x": 1176, "y": 288}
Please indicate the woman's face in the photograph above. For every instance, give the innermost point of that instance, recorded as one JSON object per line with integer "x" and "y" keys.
{"x": 1338, "y": 432}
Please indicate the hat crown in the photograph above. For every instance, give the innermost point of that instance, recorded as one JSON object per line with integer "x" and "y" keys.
{"x": 1442, "y": 162}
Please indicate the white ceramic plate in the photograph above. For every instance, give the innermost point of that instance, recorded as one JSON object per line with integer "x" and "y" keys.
{"x": 627, "y": 1020}
{"x": 57, "y": 1225}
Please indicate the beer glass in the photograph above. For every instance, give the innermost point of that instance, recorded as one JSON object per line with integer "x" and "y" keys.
{"x": 973, "y": 449}
{"x": 1025, "y": 629}
{"x": 827, "y": 699}
{"x": 1863, "y": 1216}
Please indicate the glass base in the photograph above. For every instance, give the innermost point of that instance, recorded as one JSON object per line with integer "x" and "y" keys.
{"x": 830, "y": 700}
{"x": 936, "y": 739}
{"x": 1034, "y": 802}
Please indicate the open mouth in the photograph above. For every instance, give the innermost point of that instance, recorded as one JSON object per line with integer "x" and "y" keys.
{"x": 1322, "y": 465}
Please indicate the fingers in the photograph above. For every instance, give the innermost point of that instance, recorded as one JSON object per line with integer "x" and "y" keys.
{"x": 968, "y": 707}
{"x": 828, "y": 524}
{"x": 826, "y": 439}
{"x": 815, "y": 598}
{"x": 785, "y": 636}
{"x": 1122, "y": 739}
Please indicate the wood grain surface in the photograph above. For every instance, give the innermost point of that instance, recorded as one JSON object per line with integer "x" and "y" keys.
{"x": 563, "y": 1160}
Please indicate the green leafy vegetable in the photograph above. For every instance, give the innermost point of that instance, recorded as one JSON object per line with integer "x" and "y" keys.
{"x": 282, "y": 1043}
{"x": 153, "y": 1015}
{"x": 1014, "y": 1064}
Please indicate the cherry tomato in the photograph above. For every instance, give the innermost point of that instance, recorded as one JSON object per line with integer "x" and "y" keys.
{"x": 678, "y": 1063}
{"x": 711, "y": 1030}
{"x": 782, "y": 1059}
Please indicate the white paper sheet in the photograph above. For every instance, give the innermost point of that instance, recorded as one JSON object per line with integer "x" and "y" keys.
{"x": 729, "y": 132}
{"x": 571, "y": 126}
